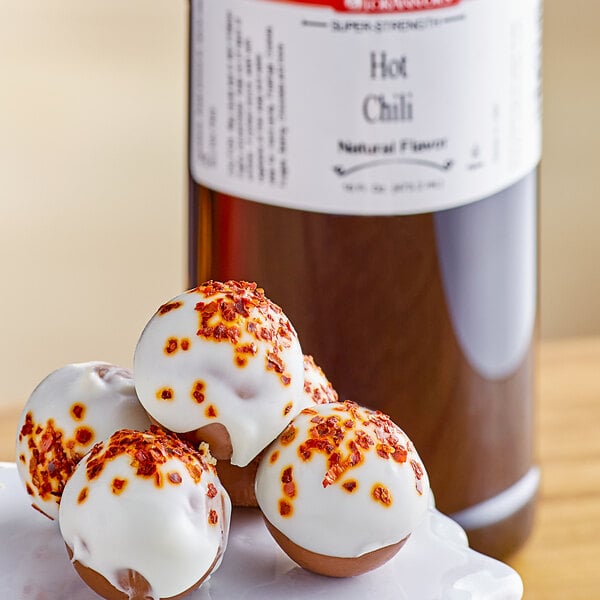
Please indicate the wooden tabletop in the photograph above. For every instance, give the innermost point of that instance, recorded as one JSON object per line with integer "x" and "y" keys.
{"x": 561, "y": 559}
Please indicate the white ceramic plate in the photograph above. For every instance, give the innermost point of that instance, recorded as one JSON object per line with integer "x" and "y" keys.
{"x": 435, "y": 563}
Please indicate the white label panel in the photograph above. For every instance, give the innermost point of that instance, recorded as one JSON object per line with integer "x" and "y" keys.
{"x": 365, "y": 109}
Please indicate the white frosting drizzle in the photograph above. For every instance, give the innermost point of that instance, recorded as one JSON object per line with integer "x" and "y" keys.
{"x": 163, "y": 532}
{"x": 331, "y": 519}
{"x": 251, "y": 400}
{"x": 106, "y": 396}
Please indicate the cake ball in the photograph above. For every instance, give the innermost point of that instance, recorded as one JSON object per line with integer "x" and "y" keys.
{"x": 341, "y": 489}
{"x": 239, "y": 481}
{"x": 144, "y": 515}
{"x": 68, "y": 412}
{"x": 224, "y": 362}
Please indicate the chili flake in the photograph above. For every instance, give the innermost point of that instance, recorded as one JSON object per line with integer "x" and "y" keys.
{"x": 118, "y": 485}
{"x": 83, "y": 494}
{"x": 285, "y": 508}
{"x": 287, "y": 479}
{"x": 174, "y": 478}
{"x": 418, "y": 471}
{"x": 171, "y": 346}
{"x": 381, "y": 494}
{"x": 84, "y": 435}
{"x": 288, "y": 435}
{"x": 78, "y": 411}
{"x": 27, "y": 428}
{"x": 213, "y": 517}
{"x": 165, "y": 393}
{"x": 198, "y": 391}
{"x": 167, "y": 308}
{"x": 350, "y": 486}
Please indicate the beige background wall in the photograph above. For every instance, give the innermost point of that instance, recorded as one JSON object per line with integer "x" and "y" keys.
{"x": 92, "y": 177}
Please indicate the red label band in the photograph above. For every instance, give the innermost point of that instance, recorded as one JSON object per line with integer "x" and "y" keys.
{"x": 375, "y": 6}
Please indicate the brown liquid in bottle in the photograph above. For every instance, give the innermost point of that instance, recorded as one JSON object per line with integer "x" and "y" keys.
{"x": 367, "y": 298}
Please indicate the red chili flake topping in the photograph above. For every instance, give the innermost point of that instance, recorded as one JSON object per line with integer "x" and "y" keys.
{"x": 275, "y": 363}
{"x": 165, "y": 393}
{"x": 240, "y": 308}
{"x": 418, "y": 471}
{"x": 400, "y": 454}
{"x": 213, "y": 517}
{"x": 350, "y": 486}
{"x": 147, "y": 452}
{"x": 27, "y": 428}
{"x": 250, "y": 348}
{"x": 344, "y": 444}
{"x": 171, "y": 346}
{"x": 184, "y": 344}
{"x": 287, "y": 479}
{"x": 210, "y": 412}
{"x": 51, "y": 458}
{"x": 323, "y": 393}
{"x": 233, "y": 310}
{"x": 195, "y": 472}
{"x": 83, "y": 494}
{"x": 167, "y": 308}
{"x": 326, "y": 436}
{"x": 417, "y": 468}
{"x": 78, "y": 411}
{"x": 118, "y": 485}
{"x": 198, "y": 391}
{"x": 84, "y": 435}
{"x": 288, "y": 435}
{"x": 384, "y": 450}
{"x": 174, "y": 477}
{"x": 285, "y": 508}
{"x": 287, "y": 408}
{"x": 211, "y": 491}
{"x": 381, "y": 494}
{"x": 273, "y": 458}
{"x": 363, "y": 439}
{"x": 47, "y": 441}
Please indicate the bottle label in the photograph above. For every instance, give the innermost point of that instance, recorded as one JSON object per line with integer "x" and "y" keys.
{"x": 379, "y": 107}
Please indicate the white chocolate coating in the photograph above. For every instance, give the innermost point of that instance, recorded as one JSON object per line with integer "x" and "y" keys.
{"x": 68, "y": 412}
{"x": 316, "y": 384}
{"x": 222, "y": 353}
{"x": 361, "y": 487}
{"x": 170, "y": 525}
